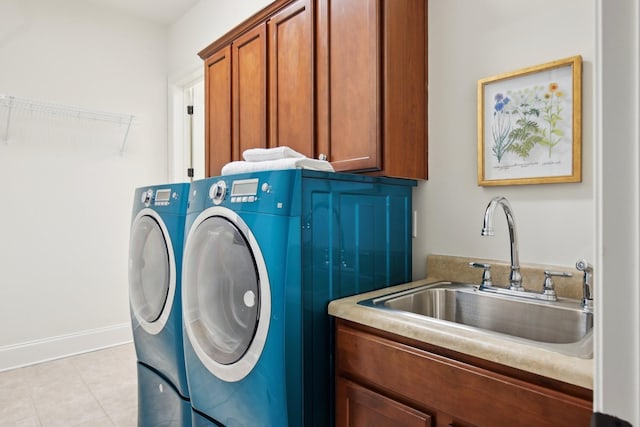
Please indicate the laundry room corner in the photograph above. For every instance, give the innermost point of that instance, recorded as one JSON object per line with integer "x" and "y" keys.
{"x": 204, "y": 22}
{"x": 68, "y": 180}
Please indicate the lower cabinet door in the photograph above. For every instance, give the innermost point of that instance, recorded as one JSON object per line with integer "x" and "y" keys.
{"x": 456, "y": 392}
{"x": 357, "y": 406}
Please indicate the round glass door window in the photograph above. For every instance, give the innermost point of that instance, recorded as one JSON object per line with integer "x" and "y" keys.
{"x": 151, "y": 271}
{"x": 225, "y": 310}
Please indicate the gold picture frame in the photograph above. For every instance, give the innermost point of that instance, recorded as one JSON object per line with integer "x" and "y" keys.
{"x": 530, "y": 125}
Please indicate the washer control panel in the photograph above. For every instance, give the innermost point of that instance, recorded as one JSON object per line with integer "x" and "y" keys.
{"x": 238, "y": 191}
{"x": 251, "y": 191}
{"x": 244, "y": 190}
{"x": 162, "y": 197}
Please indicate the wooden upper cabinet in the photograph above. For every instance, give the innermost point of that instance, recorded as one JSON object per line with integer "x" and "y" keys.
{"x": 405, "y": 88}
{"x": 218, "y": 144}
{"x": 249, "y": 96}
{"x": 291, "y": 78}
{"x": 345, "y": 79}
{"x": 372, "y": 85}
{"x": 349, "y": 84}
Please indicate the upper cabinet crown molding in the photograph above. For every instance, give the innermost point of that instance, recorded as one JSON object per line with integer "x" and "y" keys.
{"x": 255, "y": 19}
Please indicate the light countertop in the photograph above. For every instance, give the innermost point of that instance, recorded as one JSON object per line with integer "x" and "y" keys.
{"x": 476, "y": 343}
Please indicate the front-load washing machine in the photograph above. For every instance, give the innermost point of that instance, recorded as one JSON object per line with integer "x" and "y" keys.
{"x": 155, "y": 276}
{"x": 265, "y": 252}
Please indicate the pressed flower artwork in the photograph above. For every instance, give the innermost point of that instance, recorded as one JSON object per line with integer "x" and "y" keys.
{"x": 529, "y": 125}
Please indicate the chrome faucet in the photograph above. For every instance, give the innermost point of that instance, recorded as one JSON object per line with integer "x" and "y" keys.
{"x": 515, "y": 279}
{"x": 587, "y": 269}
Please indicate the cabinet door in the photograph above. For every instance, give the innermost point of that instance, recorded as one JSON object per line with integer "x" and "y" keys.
{"x": 291, "y": 82}
{"x": 473, "y": 395}
{"x": 357, "y": 406}
{"x": 349, "y": 102}
{"x": 249, "y": 91}
{"x": 217, "y": 111}
{"x": 405, "y": 88}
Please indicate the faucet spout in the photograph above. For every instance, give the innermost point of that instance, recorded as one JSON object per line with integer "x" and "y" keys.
{"x": 515, "y": 279}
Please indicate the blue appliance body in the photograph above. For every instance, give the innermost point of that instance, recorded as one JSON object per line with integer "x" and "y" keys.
{"x": 159, "y": 402}
{"x": 265, "y": 252}
{"x": 155, "y": 277}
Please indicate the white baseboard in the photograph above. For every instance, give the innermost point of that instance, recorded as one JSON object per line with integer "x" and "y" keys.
{"x": 32, "y": 352}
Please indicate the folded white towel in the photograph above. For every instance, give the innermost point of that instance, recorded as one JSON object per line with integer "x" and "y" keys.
{"x": 279, "y": 164}
{"x": 263, "y": 154}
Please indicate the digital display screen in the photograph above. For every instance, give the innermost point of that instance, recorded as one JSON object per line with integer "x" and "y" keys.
{"x": 163, "y": 195}
{"x": 245, "y": 187}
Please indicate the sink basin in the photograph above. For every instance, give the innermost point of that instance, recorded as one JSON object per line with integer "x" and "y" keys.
{"x": 560, "y": 326}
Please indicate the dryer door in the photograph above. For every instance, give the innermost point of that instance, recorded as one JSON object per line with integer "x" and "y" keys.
{"x": 152, "y": 269}
{"x": 226, "y": 296}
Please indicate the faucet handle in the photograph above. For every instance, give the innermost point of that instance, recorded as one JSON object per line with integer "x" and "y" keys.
{"x": 486, "y": 273}
{"x": 548, "y": 289}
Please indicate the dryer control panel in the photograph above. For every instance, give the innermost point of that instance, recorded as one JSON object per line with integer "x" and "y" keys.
{"x": 164, "y": 198}
{"x": 267, "y": 192}
{"x": 244, "y": 190}
{"x": 161, "y": 197}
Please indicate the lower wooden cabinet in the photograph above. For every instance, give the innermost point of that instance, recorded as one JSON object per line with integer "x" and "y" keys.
{"x": 359, "y": 406}
{"x": 387, "y": 380}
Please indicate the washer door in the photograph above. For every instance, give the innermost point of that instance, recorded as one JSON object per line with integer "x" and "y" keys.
{"x": 226, "y": 296}
{"x": 152, "y": 280}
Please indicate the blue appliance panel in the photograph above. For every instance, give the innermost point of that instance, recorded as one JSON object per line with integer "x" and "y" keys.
{"x": 201, "y": 420}
{"x": 259, "y": 397}
{"x": 356, "y": 237}
{"x": 275, "y": 193}
{"x": 159, "y": 403}
{"x": 155, "y": 273}
{"x": 168, "y": 199}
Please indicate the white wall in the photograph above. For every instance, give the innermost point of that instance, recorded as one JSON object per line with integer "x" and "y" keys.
{"x": 557, "y": 224}
{"x": 199, "y": 27}
{"x": 66, "y": 191}
{"x": 470, "y": 40}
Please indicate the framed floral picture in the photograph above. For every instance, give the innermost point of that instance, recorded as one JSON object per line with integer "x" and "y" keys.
{"x": 529, "y": 125}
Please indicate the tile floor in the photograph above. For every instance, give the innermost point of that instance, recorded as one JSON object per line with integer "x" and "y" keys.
{"x": 96, "y": 389}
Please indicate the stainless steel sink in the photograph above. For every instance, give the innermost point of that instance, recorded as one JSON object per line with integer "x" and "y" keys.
{"x": 560, "y": 326}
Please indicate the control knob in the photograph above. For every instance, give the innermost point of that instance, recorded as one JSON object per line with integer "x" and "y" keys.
{"x": 146, "y": 198}
{"x": 217, "y": 192}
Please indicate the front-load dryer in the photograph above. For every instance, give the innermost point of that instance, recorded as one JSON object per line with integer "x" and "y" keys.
{"x": 155, "y": 277}
{"x": 265, "y": 252}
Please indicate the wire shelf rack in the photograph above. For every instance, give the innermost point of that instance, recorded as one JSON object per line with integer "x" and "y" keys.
{"x": 15, "y": 104}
